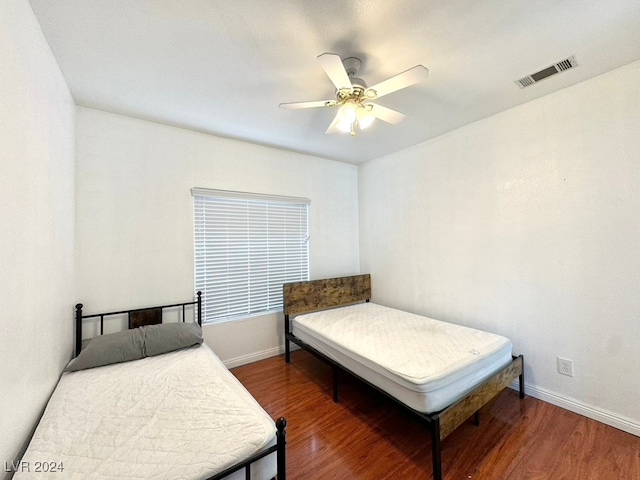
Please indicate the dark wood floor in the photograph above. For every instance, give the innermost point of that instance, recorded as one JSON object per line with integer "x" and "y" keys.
{"x": 366, "y": 436}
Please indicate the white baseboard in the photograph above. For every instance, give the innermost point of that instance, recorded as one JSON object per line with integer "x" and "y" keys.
{"x": 254, "y": 357}
{"x": 603, "y": 416}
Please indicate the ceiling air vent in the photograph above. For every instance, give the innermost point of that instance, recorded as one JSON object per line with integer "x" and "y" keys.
{"x": 561, "y": 66}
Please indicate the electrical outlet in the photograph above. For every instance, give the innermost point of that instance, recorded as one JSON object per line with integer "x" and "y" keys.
{"x": 565, "y": 366}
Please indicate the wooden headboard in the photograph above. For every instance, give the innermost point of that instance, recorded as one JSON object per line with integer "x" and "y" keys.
{"x": 313, "y": 295}
{"x": 137, "y": 317}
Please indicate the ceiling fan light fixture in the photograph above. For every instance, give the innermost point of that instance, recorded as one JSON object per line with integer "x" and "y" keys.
{"x": 353, "y": 114}
{"x": 348, "y": 116}
{"x": 364, "y": 116}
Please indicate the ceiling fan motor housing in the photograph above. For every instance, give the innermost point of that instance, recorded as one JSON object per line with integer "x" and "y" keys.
{"x": 358, "y": 88}
{"x": 351, "y": 65}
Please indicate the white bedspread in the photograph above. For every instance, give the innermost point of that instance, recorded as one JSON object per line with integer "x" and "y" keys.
{"x": 181, "y": 415}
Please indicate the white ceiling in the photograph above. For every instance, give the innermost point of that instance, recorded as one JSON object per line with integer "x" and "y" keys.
{"x": 222, "y": 67}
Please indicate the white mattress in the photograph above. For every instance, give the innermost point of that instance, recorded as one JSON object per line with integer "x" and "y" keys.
{"x": 181, "y": 415}
{"x": 425, "y": 363}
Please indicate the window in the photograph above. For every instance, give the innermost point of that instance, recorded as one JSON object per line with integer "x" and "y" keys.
{"x": 246, "y": 247}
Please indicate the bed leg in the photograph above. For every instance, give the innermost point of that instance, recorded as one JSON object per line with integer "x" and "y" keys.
{"x": 287, "y": 343}
{"x": 287, "y": 350}
{"x": 436, "y": 451}
{"x": 336, "y": 374}
{"x": 522, "y": 379}
{"x": 476, "y": 418}
{"x": 281, "y": 435}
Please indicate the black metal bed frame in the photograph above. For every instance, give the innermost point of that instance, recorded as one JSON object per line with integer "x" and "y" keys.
{"x": 432, "y": 420}
{"x": 154, "y": 315}
{"x": 156, "y": 312}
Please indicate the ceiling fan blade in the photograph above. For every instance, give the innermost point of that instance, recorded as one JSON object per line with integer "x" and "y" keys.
{"x": 319, "y": 103}
{"x": 333, "y": 126}
{"x": 402, "y": 80}
{"x": 386, "y": 114}
{"x": 332, "y": 65}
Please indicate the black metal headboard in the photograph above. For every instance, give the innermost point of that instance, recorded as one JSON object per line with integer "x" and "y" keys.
{"x": 137, "y": 317}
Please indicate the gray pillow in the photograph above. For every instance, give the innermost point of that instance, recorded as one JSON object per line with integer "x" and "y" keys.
{"x": 117, "y": 347}
{"x": 170, "y": 336}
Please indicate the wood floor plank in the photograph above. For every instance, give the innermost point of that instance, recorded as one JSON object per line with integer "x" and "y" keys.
{"x": 366, "y": 436}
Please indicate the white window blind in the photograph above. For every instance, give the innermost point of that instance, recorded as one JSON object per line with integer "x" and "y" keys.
{"x": 246, "y": 247}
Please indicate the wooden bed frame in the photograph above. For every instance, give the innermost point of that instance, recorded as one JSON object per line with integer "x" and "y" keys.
{"x": 154, "y": 315}
{"x": 311, "y": 296}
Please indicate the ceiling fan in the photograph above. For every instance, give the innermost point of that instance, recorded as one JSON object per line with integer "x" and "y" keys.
{"x": 354, "y": 97}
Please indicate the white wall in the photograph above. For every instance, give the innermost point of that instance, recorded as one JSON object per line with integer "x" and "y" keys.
{"x": 135, "y": 216}
{"x": 36, "y": 225}
{"x": 526, "y": 224}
